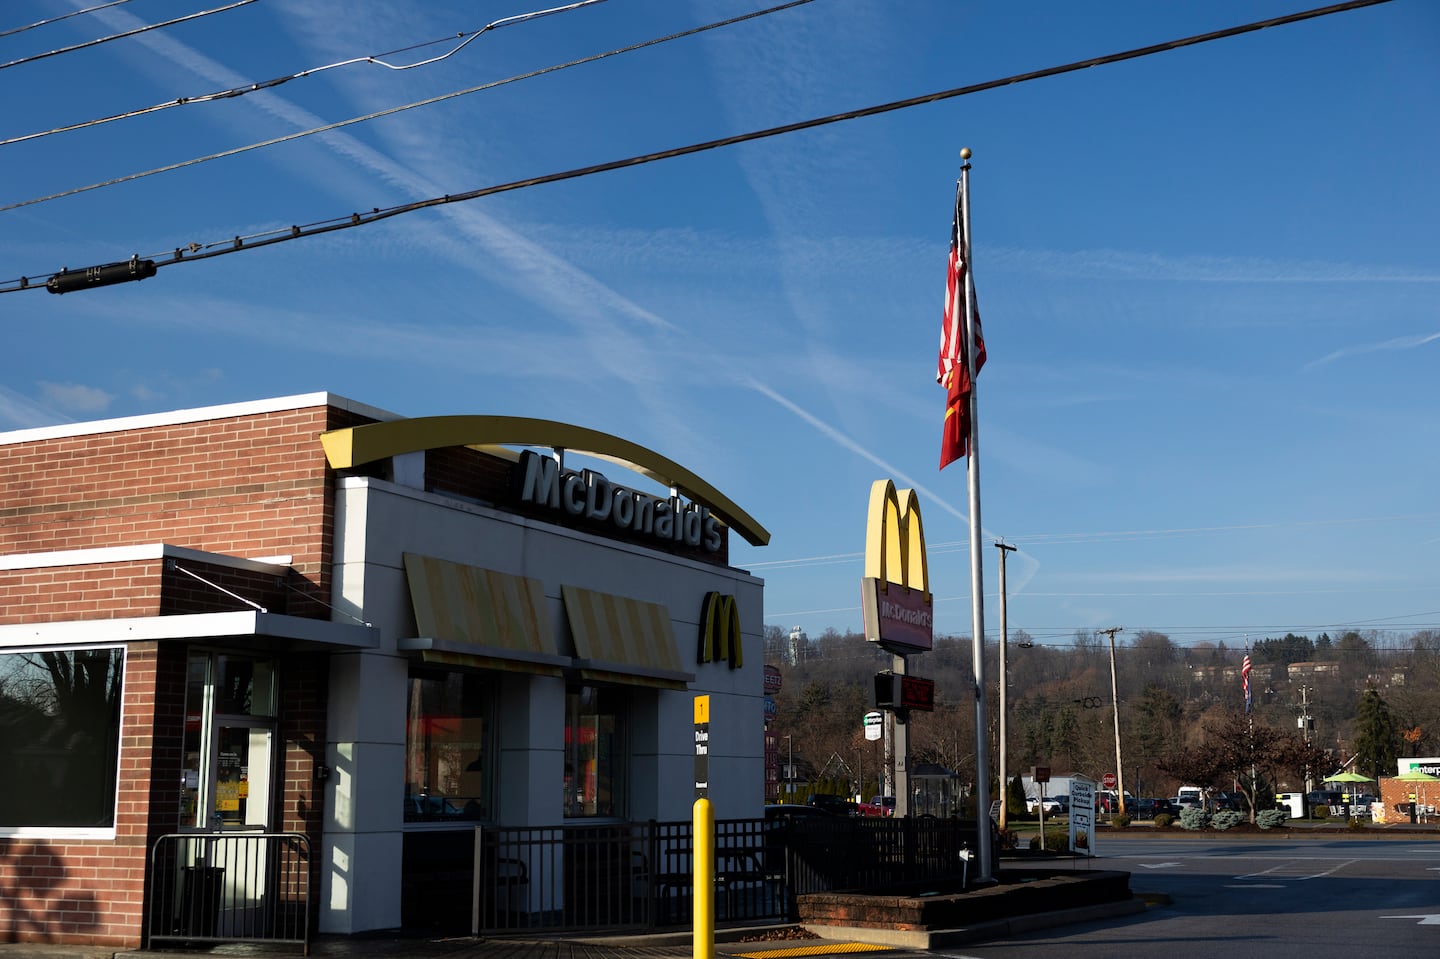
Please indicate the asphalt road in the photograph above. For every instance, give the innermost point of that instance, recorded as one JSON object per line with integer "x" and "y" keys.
{"x": 1276, "y": 899}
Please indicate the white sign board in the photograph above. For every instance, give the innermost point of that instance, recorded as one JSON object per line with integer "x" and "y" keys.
{"x": 874, "y": 725}
{"x": 1082, "y": 816}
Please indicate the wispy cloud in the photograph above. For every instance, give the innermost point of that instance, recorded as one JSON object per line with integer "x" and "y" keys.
{"x": 19, "y": 412}
{"x": 76, "y": 397}
{"x": 1133, "y": 265}
{"x": 1396, "y": 344}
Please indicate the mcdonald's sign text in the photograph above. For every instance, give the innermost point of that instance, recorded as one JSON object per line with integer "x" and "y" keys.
{"x": 897, "y": 615}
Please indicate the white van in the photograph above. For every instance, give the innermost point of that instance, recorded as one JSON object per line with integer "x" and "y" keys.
{"x": 1190, "y": 796}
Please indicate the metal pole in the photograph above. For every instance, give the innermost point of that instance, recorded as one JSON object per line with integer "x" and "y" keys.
{"x": 901, "y": 756}
{"x": 1115, "y": 699}
{"x": 977, "y": 572}
{"x": 1004, "y": 695}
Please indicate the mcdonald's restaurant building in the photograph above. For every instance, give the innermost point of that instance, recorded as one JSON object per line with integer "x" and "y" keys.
{"x": 306, "y": 615}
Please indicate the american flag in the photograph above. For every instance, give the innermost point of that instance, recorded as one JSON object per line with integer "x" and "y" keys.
{"x": 1245, "y": 680}
{"x": 952, "y": 371}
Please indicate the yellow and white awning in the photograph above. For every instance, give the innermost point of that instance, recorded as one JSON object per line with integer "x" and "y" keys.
{"x": 623, "y": 640}
{"x": 468, "y": 616}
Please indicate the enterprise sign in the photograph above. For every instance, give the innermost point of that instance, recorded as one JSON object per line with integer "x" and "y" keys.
{"x": 589, "y": 495}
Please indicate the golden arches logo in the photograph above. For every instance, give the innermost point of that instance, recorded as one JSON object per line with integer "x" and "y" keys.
{"x": 720, "y": 631}
{"x": 895, "y": 592}
{"x": 895, "y": 538}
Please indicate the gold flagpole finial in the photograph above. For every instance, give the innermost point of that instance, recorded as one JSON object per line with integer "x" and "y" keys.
{"x": 964, "y": 153}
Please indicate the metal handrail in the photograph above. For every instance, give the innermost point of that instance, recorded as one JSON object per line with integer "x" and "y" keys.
{"x": 230, "y": 887}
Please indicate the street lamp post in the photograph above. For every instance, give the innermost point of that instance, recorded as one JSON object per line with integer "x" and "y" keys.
{"x": 789, "y": 769}
{"x": 1004, "y": 681}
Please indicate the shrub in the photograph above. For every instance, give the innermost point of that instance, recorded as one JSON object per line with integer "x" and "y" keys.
{"x": 1226, "y": 818}
{"x": 1163, "y": 820}
{"x": 1009, "y": 839}
{"x": 1193, "y": 817}
{"x": 1120, "y": 820}
{"x": 1272, "y": 818}
{"x": 1055, "y": 840}
{"x": 1355, "y": 824}
{"x": 1319, "y": 812}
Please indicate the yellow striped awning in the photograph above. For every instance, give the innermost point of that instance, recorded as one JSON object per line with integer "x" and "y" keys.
{"x": 623, "y": 640}
{"x": 469, "y": 616}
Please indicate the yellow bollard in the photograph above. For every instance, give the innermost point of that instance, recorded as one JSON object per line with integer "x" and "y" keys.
{"x": 703, "y": 899}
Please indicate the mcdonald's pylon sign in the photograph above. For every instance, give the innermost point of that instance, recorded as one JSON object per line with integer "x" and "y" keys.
{"x": 895, "y": 592}
{"x": 720, "y": 631}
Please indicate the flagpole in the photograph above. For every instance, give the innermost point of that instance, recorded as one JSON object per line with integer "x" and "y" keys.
{"x": 977, "y": 572}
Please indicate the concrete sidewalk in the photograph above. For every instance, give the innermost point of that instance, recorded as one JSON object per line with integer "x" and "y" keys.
{"x": 670, "y": 945}
{"x": 732, "y": 943}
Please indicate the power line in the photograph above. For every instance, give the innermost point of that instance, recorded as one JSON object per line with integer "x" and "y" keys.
{"x": 64, "y": 16}
{"x": 465, "y": 39}
{"x": 121, "y": 36}
{"x": 198, "y": 251}
{"x": 329, "y": 127}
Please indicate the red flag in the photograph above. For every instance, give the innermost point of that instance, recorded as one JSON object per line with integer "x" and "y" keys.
{"x": 952, "y": 372}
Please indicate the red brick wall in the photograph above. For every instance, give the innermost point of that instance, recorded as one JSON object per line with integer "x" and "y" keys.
{"x": 100, "y": 591}
{"x": 246, "y": 486}
{"x": 92, "y": 892}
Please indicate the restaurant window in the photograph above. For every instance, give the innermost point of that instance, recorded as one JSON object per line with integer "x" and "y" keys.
{"x": 594, "y": 751}
{"x": 60, "y": 738}
{"x": 449, "y": 757}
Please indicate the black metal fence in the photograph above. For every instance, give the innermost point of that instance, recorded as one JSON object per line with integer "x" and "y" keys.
{"x": 229, "y": 887}
{"x": 630, "y": 875}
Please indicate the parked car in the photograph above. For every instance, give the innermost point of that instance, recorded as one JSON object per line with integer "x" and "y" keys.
{"x": 1049, "y": 804}
{"x": 887, "y": 803}
{"x": 784, "y": 811}
{"x": 1150, "y": 807}
{"x": 838, "y": 805}
{"x": 1107, "y": 802}
{"x": 1064, "y": 800}
{"x": 1232, "y": 801}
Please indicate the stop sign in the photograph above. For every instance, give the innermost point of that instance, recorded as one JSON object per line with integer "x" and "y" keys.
{"x": 1108, "y": 781}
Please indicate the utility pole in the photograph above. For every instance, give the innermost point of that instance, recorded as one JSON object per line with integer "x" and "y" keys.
{"x": 1306, "y": 726}
{"x": 1115, "y": 700}
{"x": 1004, "y": 682}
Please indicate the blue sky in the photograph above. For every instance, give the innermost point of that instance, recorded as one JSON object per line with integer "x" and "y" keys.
{"x": 1209, "y": 278}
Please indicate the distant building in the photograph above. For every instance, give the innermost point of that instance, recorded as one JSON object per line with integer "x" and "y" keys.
{"x": 1313, "y": 670}
{"x": 799, "y": 642}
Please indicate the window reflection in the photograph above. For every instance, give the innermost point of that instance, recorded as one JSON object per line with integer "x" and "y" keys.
{"x": 60, "y": 736}
{"x": 593, "y": 749}
{"x": 448, "y": 762}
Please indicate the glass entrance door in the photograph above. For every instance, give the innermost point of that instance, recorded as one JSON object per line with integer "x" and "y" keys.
{"x": 229, "y": 761}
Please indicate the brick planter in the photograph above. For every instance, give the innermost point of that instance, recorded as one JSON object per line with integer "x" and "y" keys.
{"x": 923, "y": 907}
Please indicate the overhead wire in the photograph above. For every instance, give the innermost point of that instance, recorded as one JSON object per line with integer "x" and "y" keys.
{"x": 194, "y": 251}
{"x": 233, "y": 92}
{"x": 121, "y": 36}
{"x": 340, "y": 124}
{"x": 64, "y": 16}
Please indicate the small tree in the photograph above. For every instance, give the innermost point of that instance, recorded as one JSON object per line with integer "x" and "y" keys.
{"x": 1232, "y": 749}
{"x": 1377, "y": 736}
{"x": 1015, "y": 798}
